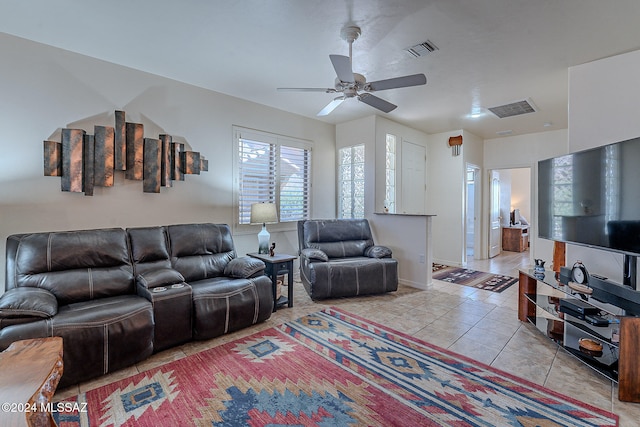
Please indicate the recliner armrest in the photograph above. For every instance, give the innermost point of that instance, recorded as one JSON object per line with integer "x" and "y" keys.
{"x": 316, "y": 254}
{"x": 244, "y": 268}
{"x": 378, "y": 251}
{"x": 27, "y": 304}
{"x": 160, "y": 277}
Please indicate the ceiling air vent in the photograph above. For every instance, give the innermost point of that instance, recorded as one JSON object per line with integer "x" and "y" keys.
{"x": 422, "y": 49}
{"x": 513, "y": 109}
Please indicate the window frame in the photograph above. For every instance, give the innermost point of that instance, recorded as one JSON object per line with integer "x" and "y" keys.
{"x": 279, "y": 141}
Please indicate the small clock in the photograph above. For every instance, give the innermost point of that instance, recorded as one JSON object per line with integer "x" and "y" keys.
{"x": 579, "y": 273}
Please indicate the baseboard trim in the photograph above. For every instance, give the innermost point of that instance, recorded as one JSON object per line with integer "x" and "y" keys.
{"x": 418, "y": 285}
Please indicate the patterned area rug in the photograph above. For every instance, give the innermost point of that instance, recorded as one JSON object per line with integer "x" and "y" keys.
{"x": 477, "y": 279}
{"x": 328, "y": 369}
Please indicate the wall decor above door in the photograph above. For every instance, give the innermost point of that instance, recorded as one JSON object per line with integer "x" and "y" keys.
{"x": 84, "y": 161}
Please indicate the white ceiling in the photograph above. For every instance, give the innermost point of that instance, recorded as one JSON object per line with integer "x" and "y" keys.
{"x": 491, "y": 52}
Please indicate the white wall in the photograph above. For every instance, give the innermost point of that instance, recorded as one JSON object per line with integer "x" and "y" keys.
{"x": 407, "y": 236}
{"x": 603, "y": 108}
{"x": 44, "y": 89}
{"x": 521, "y": 191}
{"x": 446, "y": 176}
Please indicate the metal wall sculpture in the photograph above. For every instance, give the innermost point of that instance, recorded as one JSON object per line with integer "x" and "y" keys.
{"x": 84, "y": 161}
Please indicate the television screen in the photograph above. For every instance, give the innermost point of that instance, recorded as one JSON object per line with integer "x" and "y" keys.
{"x": 592, "y": 197}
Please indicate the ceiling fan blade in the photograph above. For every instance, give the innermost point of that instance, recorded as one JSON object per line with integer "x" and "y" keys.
{"x": 331, "y": 106}
{"x": 397, "y": 82}
{"x": 342, "y": 65}
{"x": 306, "y": 89}
{"x": 376, "y": 102}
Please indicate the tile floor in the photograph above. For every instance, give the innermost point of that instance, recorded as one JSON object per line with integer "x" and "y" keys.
{"x": 479, "y": 324}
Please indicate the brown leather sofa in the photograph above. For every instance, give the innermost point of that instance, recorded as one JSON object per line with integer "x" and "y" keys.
{"x": 116, "y": 296}
{"x": 338, "y": 258}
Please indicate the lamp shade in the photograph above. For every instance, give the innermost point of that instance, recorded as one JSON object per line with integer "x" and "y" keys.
{"x": 263, "y": 213}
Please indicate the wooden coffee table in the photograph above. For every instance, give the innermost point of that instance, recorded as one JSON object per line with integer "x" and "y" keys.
{"x": 29, "y": 374}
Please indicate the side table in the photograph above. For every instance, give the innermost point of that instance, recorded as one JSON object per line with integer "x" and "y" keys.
{"x": 275, "y": 265}
{"x": 29, "y": 374}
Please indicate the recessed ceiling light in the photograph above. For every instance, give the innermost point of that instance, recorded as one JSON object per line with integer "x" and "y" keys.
{"x": 504, "y": 132}
{"x": 547, "y": 124}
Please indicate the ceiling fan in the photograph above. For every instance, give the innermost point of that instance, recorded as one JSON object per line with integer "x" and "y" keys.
{"x": 354, "y": 85}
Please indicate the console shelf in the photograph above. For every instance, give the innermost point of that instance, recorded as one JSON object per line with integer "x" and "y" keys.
{"x": 539, "y": 304}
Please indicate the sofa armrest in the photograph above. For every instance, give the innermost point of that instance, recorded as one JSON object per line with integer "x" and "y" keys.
{"x": 244, "y": 268}
{"x": 27, "y": 304}
{"x": 315, "y": 254}
{"x": 160, "y": 277}
{"x": 378, "y": 251}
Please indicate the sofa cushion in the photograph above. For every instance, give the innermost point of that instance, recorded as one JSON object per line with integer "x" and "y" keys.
{"x": 149, "y": 250}
{"x": 75, "y": 265}
{"x": 378, "y": 251}
{"x": 222, "y": 305}
{"x": 350, "y": 277}
{"x": 315, "y": 254}
{"x": 338, "y": 238}
{"x": 103, "y": 335}
{"x": 28, "y": 302}
{"x": 159, "y": 277}
{"x": 200, "y": 251}
{"x": 244, "y": 267}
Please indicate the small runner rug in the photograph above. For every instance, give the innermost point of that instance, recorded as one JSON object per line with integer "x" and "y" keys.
{"x": 329, "y": 368}
{"x": 473, "y": 278}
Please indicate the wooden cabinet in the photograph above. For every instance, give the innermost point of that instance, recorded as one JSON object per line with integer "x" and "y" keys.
{"x": 515, "y": 239}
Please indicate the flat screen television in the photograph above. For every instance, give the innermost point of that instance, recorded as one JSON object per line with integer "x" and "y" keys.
{"x": 592, "y": 198}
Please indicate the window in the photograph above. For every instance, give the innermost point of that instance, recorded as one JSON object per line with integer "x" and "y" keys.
{"x": 273, "y": 169}
{"x": 390, "y": 174}
{"x": 351, "y": 182}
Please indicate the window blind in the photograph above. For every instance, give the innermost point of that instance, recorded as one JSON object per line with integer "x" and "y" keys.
{"x": 295, "y": 182}
{"x": 257, "y": 172}
{"x": 273, "y": 169}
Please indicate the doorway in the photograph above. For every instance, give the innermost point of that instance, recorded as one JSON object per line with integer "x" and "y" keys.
{"x": 510, "y": 190}
{"x": 472, "y": 212}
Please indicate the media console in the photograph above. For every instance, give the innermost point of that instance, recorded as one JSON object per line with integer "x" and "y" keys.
{"x": 602, "y": 335}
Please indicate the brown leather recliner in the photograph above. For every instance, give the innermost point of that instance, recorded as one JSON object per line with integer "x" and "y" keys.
{"x": 117, "y": 296}
{"x": 338, "y": 258}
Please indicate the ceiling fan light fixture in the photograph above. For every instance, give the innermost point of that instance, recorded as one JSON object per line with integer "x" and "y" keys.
{"x": 331, "y": 106}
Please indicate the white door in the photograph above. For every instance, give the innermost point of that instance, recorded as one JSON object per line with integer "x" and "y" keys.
{"x": 495, "y": 221}
{"x": 414, "y": 159}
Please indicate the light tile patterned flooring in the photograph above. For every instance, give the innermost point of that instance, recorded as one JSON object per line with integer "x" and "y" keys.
{"x": 479, "y": 324}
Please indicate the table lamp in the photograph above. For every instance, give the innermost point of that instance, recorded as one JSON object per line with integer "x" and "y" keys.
{"x": 263, "y": 213}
